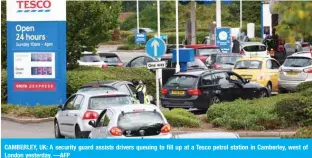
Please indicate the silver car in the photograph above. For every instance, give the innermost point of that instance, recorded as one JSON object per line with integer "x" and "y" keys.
{"x": 296, "y": 69}
{"x": 72, "y": 120}
{"x": 131, "y": 121}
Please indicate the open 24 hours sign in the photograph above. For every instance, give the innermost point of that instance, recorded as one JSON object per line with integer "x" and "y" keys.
{"x": 36, "y": 42}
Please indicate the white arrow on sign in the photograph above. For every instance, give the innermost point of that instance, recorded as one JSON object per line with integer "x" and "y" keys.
{"x": 155, "y": 44}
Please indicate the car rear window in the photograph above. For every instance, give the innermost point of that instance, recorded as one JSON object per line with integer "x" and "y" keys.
{"x": 103, "y": 102}
{"x": 86, "y": 89}
{"x": 111, "y": 59}
{"x": 139, "y": 119}
{"x": 208, "y": 51}
{"x": 297, "y": 62}
{"x": 182, "y": 81}
{"x": 248, "y": 64}
{"x": 90, "y": 58}
{"x": 230, "y": 60}
{"x": 255, "y": 48}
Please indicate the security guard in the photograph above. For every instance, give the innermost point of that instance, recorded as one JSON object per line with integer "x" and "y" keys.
{"x": 141, "y": 93}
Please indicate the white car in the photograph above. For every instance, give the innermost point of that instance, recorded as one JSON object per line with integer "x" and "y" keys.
{"x": 254, "y": 49}
{"x": 204, "y": 135}
{"x": 133, "y": 121}
{"x": 72, "y": 120}
{"x": 90, "y": 59}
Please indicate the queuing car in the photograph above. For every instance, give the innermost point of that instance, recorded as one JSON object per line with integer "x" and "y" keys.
{"x": 203, "y": 135}
{"x": 296, "y": 69}
{"x": 73, "y": 117}
{"x": 224, "y": 61}
{"x": 254, "y": 49}
{"x": 111, "y": 59}
{"x": 261, "y": 70}
{"x": 134, "y": 121}
{"x": 200, "y": 89}
{"x": 90, "y": 59}
{"x": 202, "y": 51}
{"x": 139, "y": 61}
{"x": 113, "y": 85}
{"x": 292, "y": 48}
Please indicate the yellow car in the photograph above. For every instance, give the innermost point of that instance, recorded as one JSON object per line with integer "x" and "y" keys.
{"x": 261, "y": 70}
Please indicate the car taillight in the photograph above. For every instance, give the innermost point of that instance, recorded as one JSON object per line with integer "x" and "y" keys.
{"x": 115, "y": 131}
{"x": 308, "y": 70}
{"x": 90, "y": 115}
{"x": 104, "y": 66}
{"x": 164, "y": 91}
{"x": 165, "y": 129}
{"x": 194, "y": 92}
{"x": 216, "y": 66}
{"x": 120, "y": 64}
{"x": 242, "y": 52}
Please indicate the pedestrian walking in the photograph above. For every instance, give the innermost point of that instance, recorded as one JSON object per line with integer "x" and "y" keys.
{"x": 235, "y": 48}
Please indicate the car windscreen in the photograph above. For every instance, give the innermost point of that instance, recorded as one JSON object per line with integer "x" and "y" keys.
{"x": 132, "y": 120}
{"x": 248, "y": 64}
{"x": 110, "y": 59}
{"x": 255, "y": 48}
{"x": 182, "y": 81}
{"x": 230, "y": 60}
{"x": 208, "y": 51}
{"x": 103, "y": 102}
{"x": 197, "y": 63}
{"x": 105, "y": 89}
{"x": 297, "y": 62}
{"x": 90, "y": 58}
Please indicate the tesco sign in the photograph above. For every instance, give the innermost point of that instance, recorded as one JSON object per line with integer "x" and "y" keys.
{"x": 40, "y": 5}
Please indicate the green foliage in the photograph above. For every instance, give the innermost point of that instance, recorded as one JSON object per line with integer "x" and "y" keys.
{"x": 296, "y": 20}
{"x": 83, "y": 75}
{"x": 4, "y": 94}
{"x": 255, "y": 39}
{"x": 257, "y": 114}
{"x": 124, "y": 34}
{"x": 3, "y": 37}
{"x": 37, "y": 111}
{"x": 307, "y": 92}
{"x": 182, "y": 118}
{"x": 116, "y": 35}
{"x": 88, "y": 24}
{"x": 304, "y": 86}
{"x": 303, "y": 133}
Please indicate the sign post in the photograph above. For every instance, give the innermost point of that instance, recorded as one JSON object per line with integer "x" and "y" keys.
{"x": 224, "y": 39}
{"x": 36, "y": 51}
{"x": 156, "y": 48}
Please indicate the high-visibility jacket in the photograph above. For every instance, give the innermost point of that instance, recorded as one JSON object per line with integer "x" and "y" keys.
{"x": 142, "y": 88}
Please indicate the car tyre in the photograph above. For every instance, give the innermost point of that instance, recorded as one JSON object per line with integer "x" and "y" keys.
{"x": 269, "y": 87}
{"x": 215, "y": 100}
{"x": 57, "y": 132}
{"x": 263, "y": 94}
{"x": 78, "y": 133}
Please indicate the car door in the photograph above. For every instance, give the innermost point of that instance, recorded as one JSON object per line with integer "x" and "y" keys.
{"x": 101, "y": 130}
{"x": 227, "y": 88}
{"x": 63, "y": 119}
{"x": 138, "y": 62}
{"x": 209, "y": 89}
{"x": 272, "y": 72}
{"x": 73, "y": 114}
{"x": 238, "y": 89}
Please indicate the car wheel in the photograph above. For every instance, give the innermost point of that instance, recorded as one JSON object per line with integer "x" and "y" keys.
{"x": 78, "y": 133}
{"x": 263, "y": 94}
{"x": 269, "y": 87}
{"x": 215, "y": 100}
{"x": 282, "y": 90}
{"x": 57, "y": 132}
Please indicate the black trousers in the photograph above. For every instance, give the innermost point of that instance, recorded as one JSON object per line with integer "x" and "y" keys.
{"x": 140, "y": 96}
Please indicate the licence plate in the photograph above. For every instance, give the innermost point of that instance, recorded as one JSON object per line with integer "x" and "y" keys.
{"x": 292, "y": 73}
{"x": 177, "y": 92}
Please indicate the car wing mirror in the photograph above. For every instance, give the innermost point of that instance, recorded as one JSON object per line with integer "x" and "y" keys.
{"x": 247, "y": 81}
{"x": 92, "y": 123}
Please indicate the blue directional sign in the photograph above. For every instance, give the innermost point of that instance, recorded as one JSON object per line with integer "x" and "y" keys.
{"x": 155, "y": 47}
{"x": 140, "y": 38}
{"x": 224, "y": 39}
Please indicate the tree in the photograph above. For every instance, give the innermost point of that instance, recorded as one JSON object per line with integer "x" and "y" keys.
{"x": 296, "y": 20}
{"x": 88, "y": 24}
{"x": 3, "y": 35}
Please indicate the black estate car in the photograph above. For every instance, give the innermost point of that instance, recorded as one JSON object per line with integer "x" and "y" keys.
{"x": 200, "y": 89}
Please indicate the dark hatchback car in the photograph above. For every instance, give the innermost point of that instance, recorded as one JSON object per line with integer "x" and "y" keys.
{"x": 111, "y": 59}
{"x": 200, "y": 89}
{"x": 222, "y": 61}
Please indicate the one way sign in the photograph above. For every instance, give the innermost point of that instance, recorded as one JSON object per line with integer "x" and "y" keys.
{"x": 156, "y": 65}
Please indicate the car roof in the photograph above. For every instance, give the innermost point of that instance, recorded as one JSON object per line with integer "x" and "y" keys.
{"x": 209, "y": 135}
{"x": 106, "y": 82}
{"x": 107, "y": 54}
{"x": 198, "y": 72}
{"x": 198, "y": 46}
{"x": 252, "y": 43}
{"x": 254, "y": 58}
{"x": 228, "y": 54}
{"x": 302, "y": 54}
{"x": 132, "y": 107}
{"x": 102, "y": 93}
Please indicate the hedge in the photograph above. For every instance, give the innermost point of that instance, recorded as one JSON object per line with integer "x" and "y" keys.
{"x": 83, "y": 75}
{"x": 304, "y": 86}
{"x": 303, "y": 133}
{"x": 182, "y": 118}
{"x": 257, "y": 114}
{"x": 28, "y": 111}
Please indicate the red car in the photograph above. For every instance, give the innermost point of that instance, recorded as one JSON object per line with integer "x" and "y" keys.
{"x": 202, "y": 51}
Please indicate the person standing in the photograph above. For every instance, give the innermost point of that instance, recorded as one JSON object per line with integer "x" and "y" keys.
{"x": 235, "y": 48}
{"x": 141, "y": 92}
